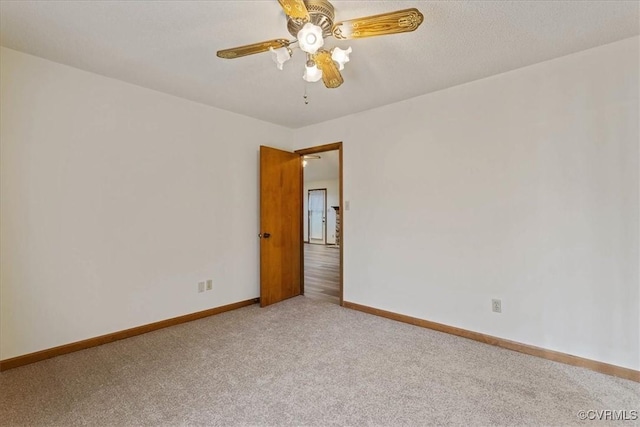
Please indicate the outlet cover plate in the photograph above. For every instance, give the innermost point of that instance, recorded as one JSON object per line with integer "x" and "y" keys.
{"x": 496, "y": 305}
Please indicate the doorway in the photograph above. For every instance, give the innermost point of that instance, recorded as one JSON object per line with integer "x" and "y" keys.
{"x": 282, "y": 228}
{"x": 317, "y": 216}
{"x": 323, "y": 242}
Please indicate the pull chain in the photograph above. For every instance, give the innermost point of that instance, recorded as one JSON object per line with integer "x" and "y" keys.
{"x": 306, "y": 97}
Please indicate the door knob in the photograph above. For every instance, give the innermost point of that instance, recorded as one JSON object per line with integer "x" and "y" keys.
{"x": 265, "y": 235}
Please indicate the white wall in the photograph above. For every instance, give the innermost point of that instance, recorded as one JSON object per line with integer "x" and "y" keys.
{"x": 523, "y": 186}
{"x": 333, "y": 199}
{"x": 116, "y": 200}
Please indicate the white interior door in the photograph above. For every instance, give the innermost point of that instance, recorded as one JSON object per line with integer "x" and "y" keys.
{"x": 317, "y": 215}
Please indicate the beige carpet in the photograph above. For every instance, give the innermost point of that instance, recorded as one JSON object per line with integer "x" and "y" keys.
{"x": 304, "y": 362}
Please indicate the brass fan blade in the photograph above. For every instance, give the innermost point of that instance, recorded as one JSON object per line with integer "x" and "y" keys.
{"x": 400, "y": 21}
{"x": 330, "y": 74}
{"x": 250, "y": 49}
{"x": 295, "y": 9}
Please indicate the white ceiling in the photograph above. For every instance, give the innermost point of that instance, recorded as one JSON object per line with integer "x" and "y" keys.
{"x": 327, "y": 167}
{"x": 170, "y": 46}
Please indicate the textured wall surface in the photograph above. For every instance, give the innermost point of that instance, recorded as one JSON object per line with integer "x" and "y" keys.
{"x": 116, "y": 202}
{"x": 521, "y": 186}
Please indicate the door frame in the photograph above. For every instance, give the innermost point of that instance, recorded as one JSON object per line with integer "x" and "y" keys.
{"x": 324, "y": 215}
{"x": 315, "y": 150}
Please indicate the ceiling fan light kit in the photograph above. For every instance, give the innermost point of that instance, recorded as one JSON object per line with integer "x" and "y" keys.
{"x": 341, "y": 56}
{"x": 310, "y": 22}
{"x": 310, "y": 38}
{"x": 311, "y": 72}
{"x": 280, "y": 56}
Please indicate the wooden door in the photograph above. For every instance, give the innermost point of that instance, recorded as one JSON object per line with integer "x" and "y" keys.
{"x": 280, "y": 225}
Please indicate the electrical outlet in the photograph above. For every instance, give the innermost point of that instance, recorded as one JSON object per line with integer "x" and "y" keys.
{"x": 209, "y": 284}
{"x": 201, "y": 287}
{"x": 496, "y": 306}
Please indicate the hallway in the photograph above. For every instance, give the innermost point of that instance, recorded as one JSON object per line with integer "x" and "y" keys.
{"x": 322, "y": 272}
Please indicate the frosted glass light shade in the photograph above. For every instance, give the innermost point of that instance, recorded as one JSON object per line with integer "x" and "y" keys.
{"x": 341, "y": 56}
{"x": 280, "y": 56}
{"x": 310, "y": 38}
{"x": 312, "y": 73}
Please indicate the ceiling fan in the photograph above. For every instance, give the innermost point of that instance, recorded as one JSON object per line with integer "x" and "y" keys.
{"x": 310, "y": 22}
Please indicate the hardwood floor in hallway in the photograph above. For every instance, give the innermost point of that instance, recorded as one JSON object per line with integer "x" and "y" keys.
{"x": 322, "y": 272}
